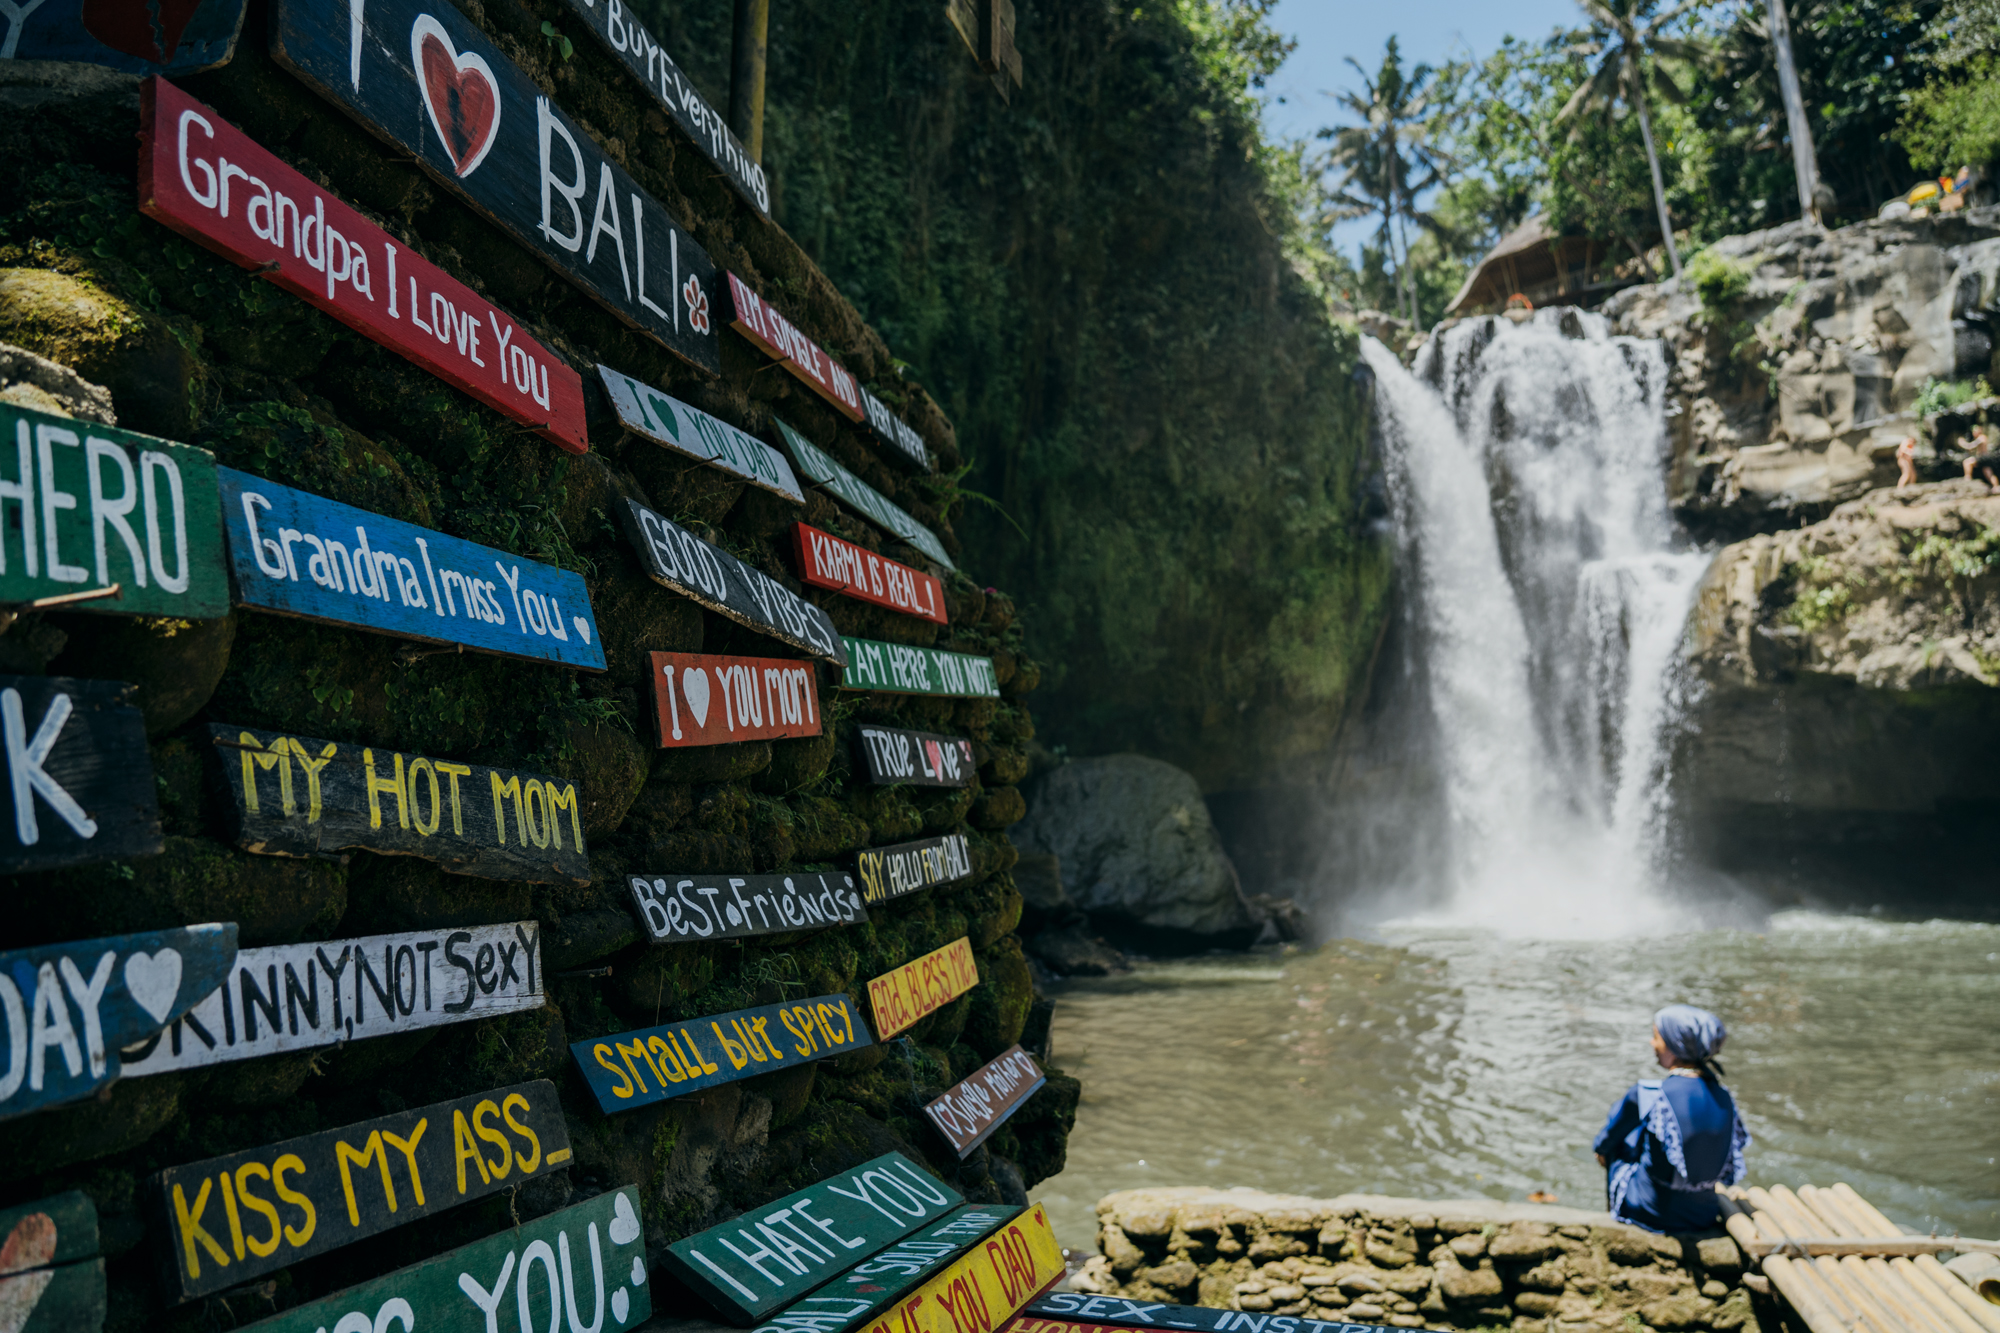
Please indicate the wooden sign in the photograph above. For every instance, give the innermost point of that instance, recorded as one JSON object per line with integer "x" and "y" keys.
{"x": 916, "y": 758}
{"x": 218, "y": 187}
{"x": 79, "y": 774}
{"x": 628, "y": 39}
{"x": 708, "y": 699}
{"x": 983, "y": 1101}
{"x": 431, "y": 82}
{"x": 901, "y": 668}
{"x": 874, "y": 1284}
{"x": 675, "y": 558}
{"x": 725, "y": 907}
{"x": 775, "y": 336}
{"x": 1064, "y": 1311}
{"x": 903, "y": 442}
{"x": 229, "y": 1220}
{"x": 771, "y": 1255}
{"x": 301, "y": 555}
{"x": 825, "y": 561}
{"x": 69, "y": 1009}
{"x": 51, "y": 1280}
{"x": 864, "y": 499}
{"x": 336, "y": 991}
{"x": 581, "y": 1268}
{"x": 183, "y": 38}
{"x": 647, "y": 412}
{"x": 985, "y": 1288}
{"x": 921, "y": 987}
{"x": 650, "y": 1065}
{"x": 95, "y": 508}
{"x": 297, "y": 796}
{"x": 891, "y": 872}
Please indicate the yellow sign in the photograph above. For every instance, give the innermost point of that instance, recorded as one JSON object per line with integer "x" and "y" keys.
{"x": 921, "y": 987}
{"x": 983, "y": 1290}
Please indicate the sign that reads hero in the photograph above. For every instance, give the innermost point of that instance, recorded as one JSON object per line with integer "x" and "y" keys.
{"x": 874, "y": 1284}
{"x": 79, "y": 775}
{"x": 921, "y": 987}
{"x": 864, "y": 499}
{"x": 705, "y": 699}
{"x": 900, "y": 668}
{"x": 724, "y": 907}
{"x": 825, "y": 561}
{"x": 982, "y": 1102}
{"x": 917, "y": 758}
{"x": 648, "y": 413}
{"x": 891, "y": 872}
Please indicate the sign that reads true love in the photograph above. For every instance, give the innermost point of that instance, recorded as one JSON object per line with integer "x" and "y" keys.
{"x": 915, "y": 758}
{"x": 229, "y": 1220}
{"x": 218, "y": 187}
{"x": 982, "y": 1102}
{"x": 825, "y": 561}
{"x": 725, "y": 907}
{"x": 92, "y": 507}
{"x": 891, "y": 872}
{"x": 777, "y": 337}
{"x": 78, "y": 772}
{"x": 652, "y": 415}
{"x": 183, "y": 38}
{"x": 301, "y": 555}
{"x": 428, "y": 80}
{"x": 297, "y": 796}
{"x": 1080, "y": 1312}
{"x": 707, "y": 699}
{"x": 902, "y": 442}
{"x": 901, "y": 668}
{"x": 295, "y": 997}
{"x": 876, "y": 1283}
{"x": 675, "y": 558}
{"x": 986, "y": 1287}
{"x": 581, "y": 1268}
{"x": 919, "y": 988}
{"x": 865, "y": 500}
{"x": 772, "y": 1255}
{"x": 68, "y": 1009}
{"x": 51, "y": 1278}
{"x": 703, "y": 1052}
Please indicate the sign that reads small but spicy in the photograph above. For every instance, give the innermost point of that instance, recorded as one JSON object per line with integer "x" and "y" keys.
{"x": 297, "y": 796}
{"x": 891, "y": 872}
{"x": 916, "y": 758}
{"x": 825, "y": 561}
{"x": 723, "y": 907}
{"x": 919, "y": 988}
{"x": 870, "y": 503}
{"x": 647, "y": 412}
{"x": 982, "y": 1102}
{"x": 721, "y": 1048}
{"x": 774, "y": 335}
{"x": 705, "y": 699}
{"x": 900, "y": 668}
{"x": 221, "y": 189}
{"x": 78, "y": 774}
{"x": 1079, "y": 1312}
{"x": 874, "y": 1284}
{"x": 986, "y": 1287}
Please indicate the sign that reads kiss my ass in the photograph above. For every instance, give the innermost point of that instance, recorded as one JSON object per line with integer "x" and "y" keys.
{"x": 825, "y": 561}
{"x": 648, "y": 413}
{"x": 919, "y": 988}
{"x": 707, "y": 699}
{"x": 890, "y": 872}
{"x": 865, "y": 500}
{"x": 900, "y": 668}
{"x": 917, "y": 758}
{"x": 428, "y": 80}
{"x": 724, "y": 907}
{"x": 876, "y": 1283}
{"x": 229, "y": 1220}
{"x": 78, "y": 774}
{"x": 301, "y": 555}
{"x": 970, "y": 1112}
{"x": 221, "y": 189}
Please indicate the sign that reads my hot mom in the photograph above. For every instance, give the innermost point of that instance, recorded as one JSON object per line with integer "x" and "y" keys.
{"x": 231, "y": 1219}
{"x": 919, "y": 988}
{"x": 301, "y": 797}
{"x": 639, "y": 1068}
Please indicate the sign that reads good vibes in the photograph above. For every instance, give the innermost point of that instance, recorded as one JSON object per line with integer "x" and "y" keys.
{"x": 79, "y": 775}
{"x": 709, "y": 699}
{"x": 722, "y": 907}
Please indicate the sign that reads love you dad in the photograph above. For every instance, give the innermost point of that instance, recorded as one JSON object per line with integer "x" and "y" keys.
{"x": 987, "y": 1286}
{"x": 876, "y": 1283}
{"x": 706, "y": 699}
{"x": 219, "y": 188}
{"x": 648, "y": 413}
{"x": 182, "y": 38}
{"x": 51, "y": 1278}
{"x": 78, "y": 774}
{"x": 899, "y": 668}
{"x": 301, "y": 555}
{"x": 425, "y": 78}
{"x": 724, "y": 907}
{"x": 825, "y": 561}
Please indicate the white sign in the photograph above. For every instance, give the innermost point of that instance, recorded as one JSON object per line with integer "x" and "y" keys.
{"x": 649, "y": 413}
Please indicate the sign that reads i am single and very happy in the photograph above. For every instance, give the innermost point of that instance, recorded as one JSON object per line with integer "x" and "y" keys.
{"x": 648, "y": 413}
{"x": 295, "y": 997}
{"x": 987, "y": 1286}
{"x": 723, "y": 907}
{"x": 919, "y": 988}
{"x": 777, "y": 337}
{"x": 901, "y": 668}
{"x": 891, "y": 872}
{"x": 1081, "y": 1312}
{"x": 428, "y": 80}
{"x": 68, "y": 1009}
{"x": 229, "y": 1220}
{"x": 301, "y": 555}
{"x": 982, "y": 1102}
{"x": 865, "y": 500}
{"x": 772, "y": 1255}
{"x": 825, "y": 561}
{"x": 721, "y": 1048}
{"x": 221, "y": 189}
{"x": 916, "y": 758}
{"x": 183, "y": 38}
{"x": 903, "y": 442}
{"x": 79, "y": 776}
{"x": 709, "y": 699}
{"x": 581, "y": 1268}
{"x": 878, "y": 1282}
{"x": 297, "y": 796}
{"x": 51, "y": 1278}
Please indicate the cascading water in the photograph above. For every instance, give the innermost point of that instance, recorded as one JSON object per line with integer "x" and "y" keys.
{"x": 1548, "y": 600}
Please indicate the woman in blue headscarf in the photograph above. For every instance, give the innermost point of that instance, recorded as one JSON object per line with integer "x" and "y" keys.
{"x": 1670, "y": 1141}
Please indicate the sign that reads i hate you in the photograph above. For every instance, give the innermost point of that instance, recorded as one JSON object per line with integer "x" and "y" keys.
{"x": 919, "y": 988}
{"x": 709, "y": 699}
{"x": 825, "y": 561}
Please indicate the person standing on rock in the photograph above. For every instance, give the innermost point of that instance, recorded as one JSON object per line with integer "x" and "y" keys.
{"x": 1978, "y": 455}
{"x": 1670, "y": 1141}
{"x": 1906, "y": 462}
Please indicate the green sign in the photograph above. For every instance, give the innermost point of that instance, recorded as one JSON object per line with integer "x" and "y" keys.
{"x": 900, "y": 668}
{"x": 870, "y": 503}
{"x": 85, "y": 507}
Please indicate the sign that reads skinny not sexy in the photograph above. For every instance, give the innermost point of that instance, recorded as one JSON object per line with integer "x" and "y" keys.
{"x": 294, "y": 997}
{"x": 301, "y": 555}
{"x": 825, "y": 561}
{"x": 428, "y": 80}
{"x": 891, "y": 872}
{"x": 865, "y": 500}
{"x": 705, "y": 699}
{"x": 1079, "y": 1312}
{"x": 777, "y": 337}
{"x": 900, "y": 668}
{"x": 986, "y": 1287}
{"x": 875, "y": 1284}
{"x": 724, "y": 907}
{"x": 648, "y": 413}
{"x": 229, "y": 1220}
{"x": 916, "y": 758}
{"x": 218, "y": 187}
{"x": 982, "y": 1102}
{"x": 78, "y": 775}
{"x": 919, "y": 988}
{"x": 51, "y": 1280}
{"x": 297, "y": 796}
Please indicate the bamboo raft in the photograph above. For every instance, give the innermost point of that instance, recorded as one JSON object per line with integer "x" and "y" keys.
{"x": 1845, "y": 1268}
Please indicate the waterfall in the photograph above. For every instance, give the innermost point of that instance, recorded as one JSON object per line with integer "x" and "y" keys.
{"x": 1547, "y": 599}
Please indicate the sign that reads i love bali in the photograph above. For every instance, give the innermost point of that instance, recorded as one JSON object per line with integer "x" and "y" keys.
{"x": 825, "y": 561}
{"x": 218, "y": 187}
{"x": 427, "y": 79}
{"x": 774, "y": 335}
{"x": 709, "y": 699}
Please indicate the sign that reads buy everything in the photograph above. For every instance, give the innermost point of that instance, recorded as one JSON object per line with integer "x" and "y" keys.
{"x": 218, "y": 187}
{"x": 919, "y": 988}
{"x": 825, "y": 561}
{"x": 708, "y": 699}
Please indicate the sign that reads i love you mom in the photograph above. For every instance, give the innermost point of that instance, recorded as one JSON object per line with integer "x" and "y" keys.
{"x": 707, "y": 699}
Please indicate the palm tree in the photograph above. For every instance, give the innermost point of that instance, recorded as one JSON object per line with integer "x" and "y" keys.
{"x": 1626, "y": 36}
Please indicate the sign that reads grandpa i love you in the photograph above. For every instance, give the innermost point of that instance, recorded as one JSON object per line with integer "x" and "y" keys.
{"x": 709, "y": 699}
{"x": 78, "y": 774}
{"x": 652, "y": 415}
{"x": 723, "y": 907}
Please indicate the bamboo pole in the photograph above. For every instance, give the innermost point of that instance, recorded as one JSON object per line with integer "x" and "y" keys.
{"x": 1790, "y": 1282}
{"x": 1941, "y": 1280}
{"x": 1832, "y": 1291}
{"x": 1871, "y": 1277}
{"x": 1795, "y": 1218}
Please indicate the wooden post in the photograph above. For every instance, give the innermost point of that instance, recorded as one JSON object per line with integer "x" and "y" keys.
{"x": 1805, "y": 164}
{"x": 746, "y": 75}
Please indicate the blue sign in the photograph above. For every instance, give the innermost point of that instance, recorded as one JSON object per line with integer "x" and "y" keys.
{"x": 302, "y": 555}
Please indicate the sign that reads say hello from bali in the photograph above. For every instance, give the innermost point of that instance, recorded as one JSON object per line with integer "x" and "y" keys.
{"x": 890, "y": 872}
{"x": 709, "y": 699}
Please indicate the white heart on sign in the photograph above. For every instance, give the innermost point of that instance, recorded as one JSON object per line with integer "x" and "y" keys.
{"x": 694, "y": 688}
{"x": 638, "y": 1271}
{"x": 154, "y": 981}
{"x": 621, "y": 1304}
{"x": 624, "y": 1223}
{"x": 582, "y": 627}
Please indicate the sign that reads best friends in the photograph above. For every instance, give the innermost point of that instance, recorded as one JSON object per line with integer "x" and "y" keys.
{"x": 647, "y": 412}
{"x": 984, "y": 1289}
{"x": 302, "y": 797}
{"x": 901, "y": 668}
{"x": 51, "y": 1280}
{"x": 428, "y": 80}
{"x": 891, "y": 872}
{"x": 218, "y": 187}
{"x": 982, "y": 1102}
{"x": 874, "y": 1284}
{"x": 725, "y": 907}
{"x": 229, "y": 1220}
{"x": 825, "y": 561}
{"x": 1080, "y": 1312}
{"x": 864, "y": 499}
{"x": 706, "y": 699}
{"x": 78, "y": 772}
{"x": 183, "y": 38}
{"x": 916, "y": 758}
{"x": 777, "y": 337}
{"x": 919, "y": 988}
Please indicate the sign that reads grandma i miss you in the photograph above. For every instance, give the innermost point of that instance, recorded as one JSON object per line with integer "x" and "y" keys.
{"x": 301, "y": 555}
{"x": 876, "y": 1283}
{"x": 78, "y": 773}
{"x": 901, "y": 668}
{"x": 218, "y": 187}
{"x": 970, "y": 1112}
{"x": 722, "y": 907}
{"x": 916, "y": 758}
{"x": 890, "y": 872}
{"x": 825, "y": 561}
{"x": 652, "y": 415}
{"x": 708, "y": 699}
{"x": 865, "y": 500}
{"x": 919, "y": 988}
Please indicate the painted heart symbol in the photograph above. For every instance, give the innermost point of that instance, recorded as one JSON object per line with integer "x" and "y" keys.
{"x": 621, "y": 1305}
{"x": 30, "y": 1244}
{"x": 638, "y": 1271}
{"x": 624, "y": 1222}
{"x": 132, "y": 27}
{"x": 694, "y": 688}
{"x": 154, "y": 981}
{"x": 460, "y": 93}
{"x": 582, "y": 627}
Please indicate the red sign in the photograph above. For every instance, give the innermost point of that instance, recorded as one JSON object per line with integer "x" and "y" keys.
{"x": 825, "y": 561}
{"x": 759, "y": 321}
{"x": 218, "y": 187}
{"x": 703, "y": 699}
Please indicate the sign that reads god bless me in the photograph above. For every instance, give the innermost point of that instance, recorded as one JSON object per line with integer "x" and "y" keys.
{"x": 919, "y": 988}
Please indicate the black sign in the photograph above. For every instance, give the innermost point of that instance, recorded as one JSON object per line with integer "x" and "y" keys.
{"x": 891, "y": 872}
{"x": 903, "y": 442}
{"x": 722, "y": 907}
{"x": 1120, "y": 1312}
{"x": 430, "y": 82}
{"x": 918, "y": 758}
{"x": 78, "y": 773}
